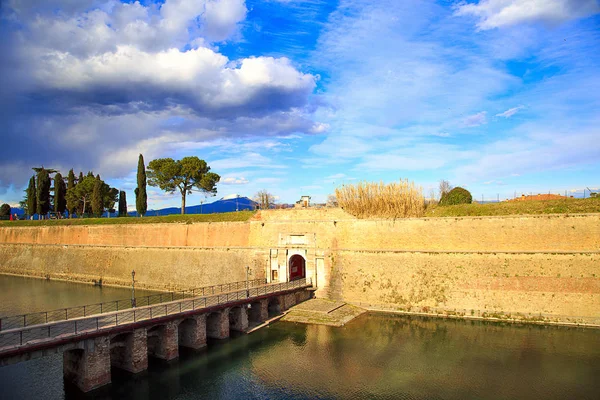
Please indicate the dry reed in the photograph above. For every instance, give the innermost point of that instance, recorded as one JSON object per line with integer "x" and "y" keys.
{"x": 370, "y": 199}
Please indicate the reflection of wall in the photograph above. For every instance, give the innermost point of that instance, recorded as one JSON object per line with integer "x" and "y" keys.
{"x": 545, "y": 265}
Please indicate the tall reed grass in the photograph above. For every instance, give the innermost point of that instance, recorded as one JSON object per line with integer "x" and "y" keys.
{"x": 370, "y": 199}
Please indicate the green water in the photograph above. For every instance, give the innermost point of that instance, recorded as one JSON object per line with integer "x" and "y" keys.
{"x": 374, "y": 357}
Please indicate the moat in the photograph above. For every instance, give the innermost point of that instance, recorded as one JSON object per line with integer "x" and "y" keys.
{"x": 375, "y": 356}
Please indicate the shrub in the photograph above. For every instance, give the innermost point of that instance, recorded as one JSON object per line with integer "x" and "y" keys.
{"x": 369, "y": 199}
{"x": 457, "y": 195}
{"x": 4, "y": 210}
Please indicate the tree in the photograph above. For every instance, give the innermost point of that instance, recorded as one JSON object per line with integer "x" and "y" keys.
{"x": 5, "y": 210}
{"x": 81, "y": 194}
{"x": 71, "y": 205}
{"x": 31, "y": 197}
{"x": 141, "y": 197}
{"x": 60, "y": 191}
{"x": 43, "y": 192}
{"x": 264, "y": 199}
{"x": 332, "y": 201}
{"x": 122, "y": 204}
{"x": 445, "y": 187}
{"x": 97, "y": 206}
{"x": 110, "y": 196}
{"x": 182, "y": 175}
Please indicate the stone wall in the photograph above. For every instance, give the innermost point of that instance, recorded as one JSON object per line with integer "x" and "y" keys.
{"x": 536, "y": 267}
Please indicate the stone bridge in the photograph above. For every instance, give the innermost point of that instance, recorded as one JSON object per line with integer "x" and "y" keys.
{"x": 124, "y": 339}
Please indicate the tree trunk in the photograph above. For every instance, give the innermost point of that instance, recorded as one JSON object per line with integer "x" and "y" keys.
{"x": 183, "y": 203}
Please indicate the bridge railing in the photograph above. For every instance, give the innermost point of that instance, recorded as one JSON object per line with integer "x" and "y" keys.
{"x": 68, "y": 329}
{"x": 65, "y": 314}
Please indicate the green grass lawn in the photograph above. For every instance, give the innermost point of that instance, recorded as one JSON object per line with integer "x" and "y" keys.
{"x": 566, "y": 206}
{"x": 183, "y": 219}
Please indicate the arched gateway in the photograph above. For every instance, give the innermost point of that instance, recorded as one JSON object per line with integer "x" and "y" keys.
{"x": 297, "y": 267}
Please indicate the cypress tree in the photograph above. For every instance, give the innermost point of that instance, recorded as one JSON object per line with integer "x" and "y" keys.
{"x": 43, "y": 192}
{"x": 60, "y": 191}
{"x": 31, "y": 197}
{"x": 71, "y": 205}
{"x": 80, "y": 179}
{"x": 122, "y": 204}
{"x": 141, "y": 198}
{"x": 97, "y": 206}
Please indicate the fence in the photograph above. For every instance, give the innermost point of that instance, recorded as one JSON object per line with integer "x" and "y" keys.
{"x": 64, "y": 314}
{"x": 69, "y": 329}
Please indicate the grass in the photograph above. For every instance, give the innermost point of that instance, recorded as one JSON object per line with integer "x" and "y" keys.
{"x": 377, "y": 200}
{"x": 562, "y": 206}
{"x": 167, "y": 219}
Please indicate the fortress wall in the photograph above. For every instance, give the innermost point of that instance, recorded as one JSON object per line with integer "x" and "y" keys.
{"x": 545, "y": 267}
{"x": 149, "y": 235}
{"x": 155, "y": 268}
{"x": 552, "y": 287}
{"x": 552, "y": 233}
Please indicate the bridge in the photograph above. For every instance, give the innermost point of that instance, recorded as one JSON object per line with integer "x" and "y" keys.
{"x": 93, "y": 338}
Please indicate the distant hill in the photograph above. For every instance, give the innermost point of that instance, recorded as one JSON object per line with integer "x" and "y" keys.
{"x": 226, "y": 204}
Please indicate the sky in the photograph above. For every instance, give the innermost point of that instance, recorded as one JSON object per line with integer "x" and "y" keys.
{"x": 297, "y": 97}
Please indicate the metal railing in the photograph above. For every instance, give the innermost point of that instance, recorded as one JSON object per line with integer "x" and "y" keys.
{"x": 65, "y": 314}
{"x": 71, "y": 329}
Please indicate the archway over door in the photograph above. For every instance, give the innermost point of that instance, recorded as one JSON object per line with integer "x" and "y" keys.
{"x": 297, "y": 267}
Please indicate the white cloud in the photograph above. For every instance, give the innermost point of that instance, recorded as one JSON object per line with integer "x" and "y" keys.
{"x": 476, "y": 119}
{"x": 500, "y": 13}
{"x": 510, "y": 112}
{"x": 234, "y": 181}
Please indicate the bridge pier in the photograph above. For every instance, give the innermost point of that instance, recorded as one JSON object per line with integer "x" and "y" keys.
{"x": 163, "y": 341}
{"x": 259, "y": 312}
{"x": 238, "y": 319}
{"x": 192, "y": 332}
{"x": 217, "y": 324}
{"x": 88, "y": 367}
{"x": 129, "y": 351}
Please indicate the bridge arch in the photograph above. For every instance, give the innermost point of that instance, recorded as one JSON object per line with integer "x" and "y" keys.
{"x": 274, "y": 306}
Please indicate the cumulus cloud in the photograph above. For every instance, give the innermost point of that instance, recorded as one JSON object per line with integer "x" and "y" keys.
{"x": 476, "y": 119}
{"x": 500, "y": 13}
{"x": 90, "y": 84}
{"x": 510, "y": 112}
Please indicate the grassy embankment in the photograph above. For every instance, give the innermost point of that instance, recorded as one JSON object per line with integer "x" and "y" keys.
{"x": 176, "y": 218}
{"x": 562, "y": 206}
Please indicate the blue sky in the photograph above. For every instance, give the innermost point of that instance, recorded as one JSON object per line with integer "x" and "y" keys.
{"x": 298, "y": 97}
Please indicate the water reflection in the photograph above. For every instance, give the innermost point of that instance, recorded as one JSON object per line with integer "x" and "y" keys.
{"x": 376, "y": 356}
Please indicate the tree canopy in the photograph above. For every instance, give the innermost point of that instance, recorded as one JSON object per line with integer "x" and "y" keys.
{"x": 264, "y": 199}
{"x": 5, "y": 210}
{"x": 122, "y": 204}
{"x": 182, "y": 175}
{"x": 43, "y": 192}
{"x": 141, "y": 197}
{"x": 60, "y": 191}
{"x": 31, "y": 197}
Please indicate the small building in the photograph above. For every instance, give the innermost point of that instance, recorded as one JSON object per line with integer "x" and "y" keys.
{"x": 304, "y": 202}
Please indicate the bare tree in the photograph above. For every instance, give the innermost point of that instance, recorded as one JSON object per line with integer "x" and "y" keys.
{"x": 445, "y": 187}
{"x": 264, "y": 199}
{"x": 332, "y": 201}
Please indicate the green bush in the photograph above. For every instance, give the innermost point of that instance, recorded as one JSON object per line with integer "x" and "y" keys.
{"x": 4, "y": 210}
{"x": 457, "y": 195}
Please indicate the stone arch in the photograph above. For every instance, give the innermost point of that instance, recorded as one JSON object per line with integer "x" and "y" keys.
{"x": 297, "y": 267}
{"x": 217, "y": 324}
{"x": 238, "y": 318}
{"x": 274, "y": 306}
{"x": 192, "y": 332}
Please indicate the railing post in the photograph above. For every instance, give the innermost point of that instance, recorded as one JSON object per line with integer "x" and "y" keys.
{"x": 84, "y": 311}
{"x": 46, "y": 316}
{"x": 66, "y": 314}
{"x": 100, "y": 308}
{"x": 134, "y": 315}
{"x": 24, "y": 320}
{"x": 116, "y": 320}
{"x": 150, "y": 312}
{"x": 76, "y": 327}
{"x": 97, "y": 324}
